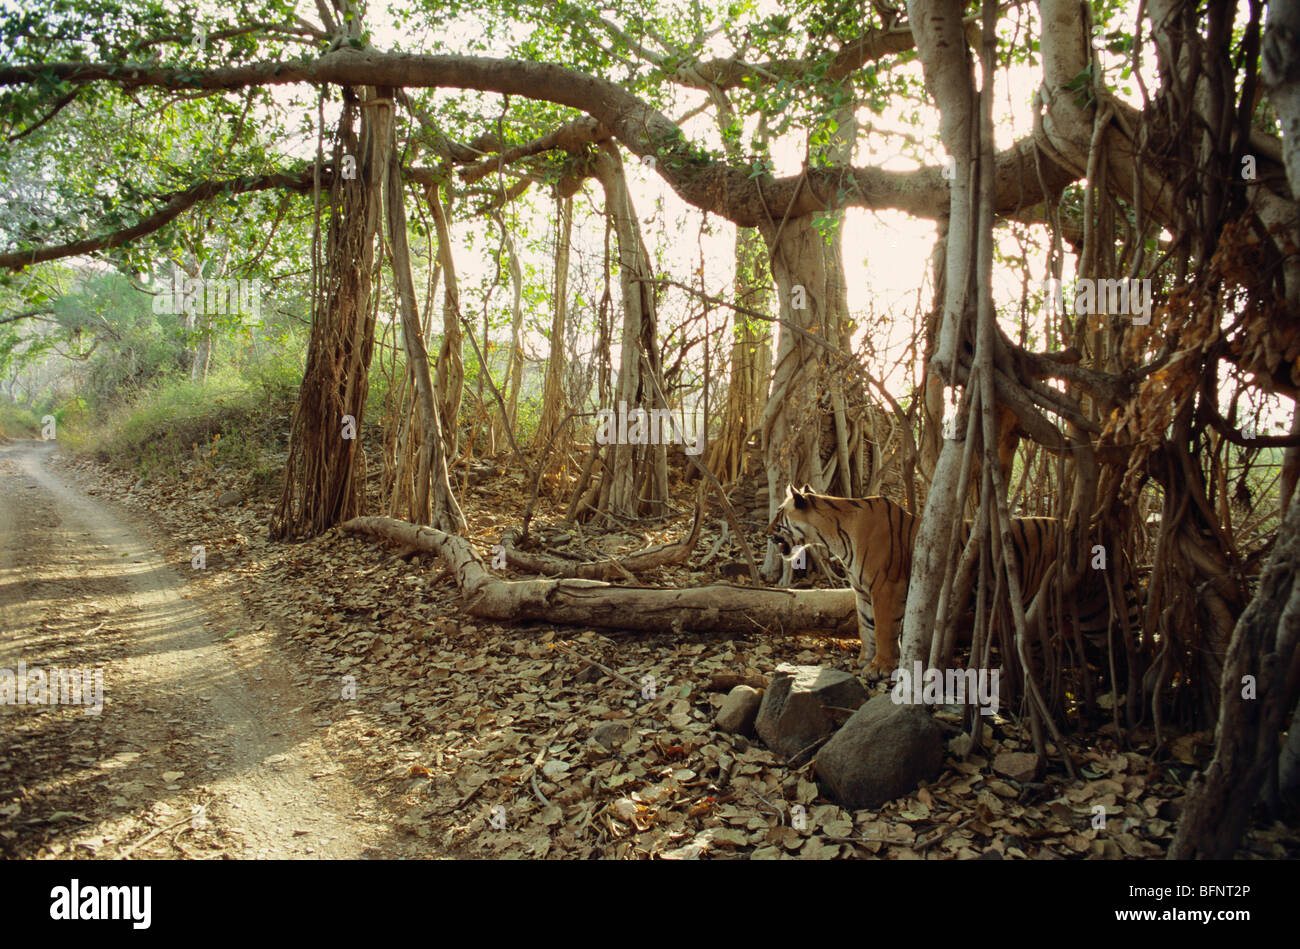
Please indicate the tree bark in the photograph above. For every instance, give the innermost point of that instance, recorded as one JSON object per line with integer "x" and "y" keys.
{"x": 320, "y": 483}
{"x": 635, "y": 476}
{"x": 751, "y": 360}
{"x": 1263, "y": 654}
{"x": 451, "y": 367}
{"x": 946, "y": 63}
{"x": 553, "y": 400}
{"x": 792, "y": 417}
{"x": 515, "y": 363}
{"x": 438, "y": 507}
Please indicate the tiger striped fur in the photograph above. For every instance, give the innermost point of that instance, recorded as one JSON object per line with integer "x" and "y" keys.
{"x": 873, "y": 538}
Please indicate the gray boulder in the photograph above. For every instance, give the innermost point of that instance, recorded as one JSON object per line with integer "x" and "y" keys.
{"x": 883, "y": 752}
{"x": 798, "y": 708}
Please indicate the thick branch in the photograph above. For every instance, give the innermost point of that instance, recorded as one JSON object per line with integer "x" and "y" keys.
{"x": 176, "y": 204}
{"x": 699, "y": 179}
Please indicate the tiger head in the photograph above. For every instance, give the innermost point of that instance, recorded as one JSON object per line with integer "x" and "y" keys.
{"x": 797, "y": 520}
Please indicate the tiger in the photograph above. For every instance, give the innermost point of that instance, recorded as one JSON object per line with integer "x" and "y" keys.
{"x": 874, "y": 537}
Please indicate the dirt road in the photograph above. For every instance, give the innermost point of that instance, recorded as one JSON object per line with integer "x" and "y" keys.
{"x": 200, "y": 750}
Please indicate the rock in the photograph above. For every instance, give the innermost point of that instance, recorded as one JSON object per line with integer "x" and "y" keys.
{"x": 739, "y": 710}
{"x": 734, "y": 571}
{"x": 589, "y": 674}
{"x": 1016, "y": 765}
{"x": 795, "y": 709}
{"x": 611, "y": 735}
{"x": 228, "y": 498}
{"x": 883, "y": 751}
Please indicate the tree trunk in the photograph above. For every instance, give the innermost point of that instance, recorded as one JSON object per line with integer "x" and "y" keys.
{"x": 941, "y": 45}
{"x": 515, "y": 364}
{"x": 1263, "y": 651}
{"x": 321, "y": 483}
{"x": 195, "y": 322}
{"x": 836, "y": 431}
{"x": 751, "y": 359}
{"x": 805, "y": 407}
{"x": 791, "y": 418}
{"x": 1280, "y": 70}
{"x": 451, "y": 367}
{"x": 635, "y": 479}
{"x": 553, "y": 400}
{"x": 431, "y": 470}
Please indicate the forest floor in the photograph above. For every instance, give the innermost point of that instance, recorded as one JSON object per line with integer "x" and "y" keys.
{"x": 329, "y": 699}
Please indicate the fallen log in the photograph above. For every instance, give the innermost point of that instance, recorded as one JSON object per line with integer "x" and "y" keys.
{"x": 553, "y": 566}
{"x": 578, "y": 602}
{"x": 726, "y": 681}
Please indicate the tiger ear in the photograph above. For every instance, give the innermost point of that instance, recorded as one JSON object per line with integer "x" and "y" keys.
{"x": 806, "y": 489}
{"x": 798, "y": 495}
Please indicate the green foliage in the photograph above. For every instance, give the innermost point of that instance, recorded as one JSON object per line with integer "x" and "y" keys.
{"x": 17, "y": 421}
{"x": 235, "y": 418}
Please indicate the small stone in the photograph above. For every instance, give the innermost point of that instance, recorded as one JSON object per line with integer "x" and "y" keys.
{"x": 1019, "y": 766}
{"x": 739, "y": 710}
{"x": 611, "y": 735}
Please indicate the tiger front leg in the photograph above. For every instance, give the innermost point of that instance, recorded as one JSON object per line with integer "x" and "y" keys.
{"x": 883, "y": 603}
{"x": 866, "y": 628}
